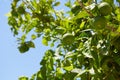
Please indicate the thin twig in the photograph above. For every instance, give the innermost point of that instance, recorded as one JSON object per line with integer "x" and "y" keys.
{"x": 82, "y": 5}
{"x": 106, "y": 77}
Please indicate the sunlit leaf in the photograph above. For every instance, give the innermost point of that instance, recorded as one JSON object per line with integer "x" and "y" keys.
{"x": 23, "y": 78}
{"x": 82, "y": 25}
{"x": 92, "y": 72}
{"x": 81, "y": 14}
{"x": 44, "y": 41}
{"x": 82, "y": 47}
{"x": 33, "y": 37}
{"x": 79, "y": 71}
{"x": 68, "y": 68}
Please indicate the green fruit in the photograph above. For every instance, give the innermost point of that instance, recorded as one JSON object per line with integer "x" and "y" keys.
{"x": 99, "y": 22}
{"x": 68, "y": 38}
{"x": 104, "y": 8}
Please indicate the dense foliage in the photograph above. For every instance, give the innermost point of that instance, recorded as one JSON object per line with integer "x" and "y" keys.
{"x": 86, "y": 37}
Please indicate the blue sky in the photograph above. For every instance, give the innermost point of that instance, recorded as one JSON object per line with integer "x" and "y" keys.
{"x": 12, "y": 63}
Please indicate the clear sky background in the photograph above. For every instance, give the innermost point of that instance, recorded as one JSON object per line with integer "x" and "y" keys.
{"x": 12, "y": 63}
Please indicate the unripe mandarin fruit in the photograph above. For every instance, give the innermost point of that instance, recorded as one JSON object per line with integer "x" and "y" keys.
{"x": 99, "y": 22}
{"x": 104, "y": 8}
{"x": 68, "y": 38}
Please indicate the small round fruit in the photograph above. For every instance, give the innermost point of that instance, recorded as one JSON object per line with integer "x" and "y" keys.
{"x": 99, "y": 22}
{"x": 68, "y": 38}
{"x": 104, "y": 8}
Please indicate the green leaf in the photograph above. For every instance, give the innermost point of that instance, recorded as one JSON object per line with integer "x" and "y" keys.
{"x": 34, "y": 3}
{"x": 33, "y": 23}
{"x": 79, "y": 71}
{"x": 30, "y": 44}
{"x": 47, "y": 31}
{"x": 96, "y": 59}
{"x": 21, "y": 10}
{"x": 67, "y": 65}
{"x": 39, "y": 76}
{"x": 59, "y": 71}
{"x": 33, "y": 77}
{"x": 56, "y": 4}
{"x": 87, "y": 53}
{"x": 82, "y": 25}
{"x": 44, "y": 41}
{"x": 81, "y": 14}
{"x": 23, "y": 37}
{"x": 33, "y": 37}
{"x": 70, "y": 54}
{"x": 43, "y": 71}
{"x": 109, "y": 1}
{"x": 23, "y": 48}
{"x": 68, "y": 4}
{"x": 23, "y": 78}
{"x": 118, "y": 17}
{"x": 92, "y": 72}
{"x": 27, "y": 16}
{"x": 52, "y": 44}
{"x": 68, "y": 68}
{"x": 118, "y": 1}
{"x": 84, "y": 1}
{"x": 16, "y": 1}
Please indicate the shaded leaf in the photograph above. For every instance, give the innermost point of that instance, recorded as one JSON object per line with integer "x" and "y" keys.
{"x": 56, "y": 4}
{"x": 30, "y": 44}
{"x": 23, "y": 48}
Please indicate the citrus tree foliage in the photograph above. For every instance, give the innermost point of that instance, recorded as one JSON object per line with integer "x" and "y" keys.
{"x": 86, "y": 37}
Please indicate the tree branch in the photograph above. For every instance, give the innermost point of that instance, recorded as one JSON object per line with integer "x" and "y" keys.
{"x": 82, "y": 5}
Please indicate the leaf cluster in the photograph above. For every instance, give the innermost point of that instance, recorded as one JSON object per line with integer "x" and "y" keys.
{"x": 86, "y": 41}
